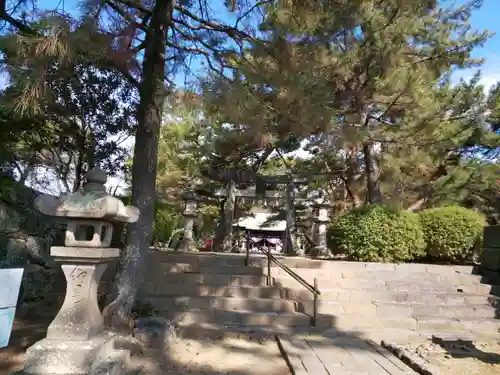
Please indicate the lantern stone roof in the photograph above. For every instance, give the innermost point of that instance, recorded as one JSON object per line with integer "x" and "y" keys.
{"x": 93, "y": 202}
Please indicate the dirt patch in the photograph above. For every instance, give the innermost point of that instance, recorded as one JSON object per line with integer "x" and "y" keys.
{"x": 30, "y": 326}
{"x": 478, "y": 359}
{"x": 231, "y": 355}
{"x": 236, "y": 356}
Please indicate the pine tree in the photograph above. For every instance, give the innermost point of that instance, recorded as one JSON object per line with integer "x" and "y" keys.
{"x": 146, "y": 42}
{"x": 365, "y": 79}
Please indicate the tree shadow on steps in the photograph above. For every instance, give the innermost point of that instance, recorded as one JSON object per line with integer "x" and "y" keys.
{"x": 248, "y": 352}
{"x": 204, "y": 277}
{"x": 224, "y": 355}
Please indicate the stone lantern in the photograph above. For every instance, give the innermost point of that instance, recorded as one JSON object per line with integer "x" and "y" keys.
{"x": 190, "y": 214}
{"x": 321, "y": 209}
{"x": 75, "y": 336}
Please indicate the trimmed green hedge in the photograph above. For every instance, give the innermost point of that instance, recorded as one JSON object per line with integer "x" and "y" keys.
{"x": 451, "y": 232}
{"x": 377, "y": 234}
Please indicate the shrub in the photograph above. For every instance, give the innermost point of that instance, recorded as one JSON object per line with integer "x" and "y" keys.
{"x": 377, "y": 234}
{"x": 167, "y": 219}
{"x": 451, "y": 232}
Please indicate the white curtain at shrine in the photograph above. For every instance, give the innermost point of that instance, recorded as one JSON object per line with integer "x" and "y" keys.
{"x": 274, "y": 241}
{"x": 257, "y": 239}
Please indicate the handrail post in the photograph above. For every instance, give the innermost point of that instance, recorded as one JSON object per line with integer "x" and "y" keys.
{"x": 247, "y": 249}
{"x": 270, "y": 258}
{"x": 268, "y": 268}
{"x": 315, "y": 303}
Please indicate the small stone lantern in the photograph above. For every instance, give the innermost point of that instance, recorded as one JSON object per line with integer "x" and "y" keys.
{"x": 76, "y": 334}
{"x": 321, "y": 218}
{"x": 190, "y": 214}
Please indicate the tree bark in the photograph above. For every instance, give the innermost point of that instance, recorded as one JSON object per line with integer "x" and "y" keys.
{"x": 373, "y": 194}
{"x": 290, "y": 220}
{"x": 417, "y": 205}
{"x": 152, "y": 94}
{"x": 78, "y": 171}
{"x": 219, "y": 235}
{"x": 222, "y": 241}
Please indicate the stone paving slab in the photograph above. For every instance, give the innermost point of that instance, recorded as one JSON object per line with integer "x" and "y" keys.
{"x": 314, "y": 354}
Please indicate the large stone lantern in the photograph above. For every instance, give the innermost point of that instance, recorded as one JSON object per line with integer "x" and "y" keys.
{"x": 321, "y": 212}
{"x": 76, "y": 334}
{"x": 190, "y": 214}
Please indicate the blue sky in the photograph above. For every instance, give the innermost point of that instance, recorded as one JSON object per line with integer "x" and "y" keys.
{"x": 484, "y": 18}
{"x": 488, "y": 18}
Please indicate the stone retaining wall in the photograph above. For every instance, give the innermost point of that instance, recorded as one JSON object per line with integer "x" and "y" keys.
{"x": 490, "y": 262}
{"x": 384, "y": 291}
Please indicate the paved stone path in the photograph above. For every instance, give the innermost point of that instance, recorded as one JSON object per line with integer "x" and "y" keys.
{"x": 315, "y": 354}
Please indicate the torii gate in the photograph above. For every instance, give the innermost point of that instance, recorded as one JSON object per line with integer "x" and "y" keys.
{"x": 260, "y": 192}
{"x": 261, "y": 182}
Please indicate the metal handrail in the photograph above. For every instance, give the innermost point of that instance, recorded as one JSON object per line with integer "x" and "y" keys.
{"x": 271, "y": 258}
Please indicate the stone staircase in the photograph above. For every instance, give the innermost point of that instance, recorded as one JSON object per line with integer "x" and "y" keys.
{"x": 405, "y": 301}
{"x": 220, "y": 290}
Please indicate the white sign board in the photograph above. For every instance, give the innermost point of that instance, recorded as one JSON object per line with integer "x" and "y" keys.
{"x": 10, "y": 283}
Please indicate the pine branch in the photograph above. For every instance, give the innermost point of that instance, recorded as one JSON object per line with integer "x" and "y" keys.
{"x": 231, "y": 31}
{"x": 136, "y": 5}
{"x": 127, "y": 16}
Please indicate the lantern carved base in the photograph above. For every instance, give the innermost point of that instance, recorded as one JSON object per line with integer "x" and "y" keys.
{"x": 103, "y": 354}
{"x": 76, "y": 342}
{"x": 79, "y": 317}
{"x": 188, "y": 245}
{"x": 321, "y": 251}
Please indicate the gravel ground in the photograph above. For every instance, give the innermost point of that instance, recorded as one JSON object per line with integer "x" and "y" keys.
{"x": 202, "y": 356}
{"x": 236, "y": 356}
{"x": 478, "y": 359}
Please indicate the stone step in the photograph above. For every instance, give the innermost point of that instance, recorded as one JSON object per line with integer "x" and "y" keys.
{"x": 193, "y": 290}
{"x": 387, "y": 295}
{"x": 418, "y": 324}
{"x": 218, "y": 331}
{"x": 200, "y": 268}
{"x": 216, "y": 259}
{"x": 224, "y": 303}
{"x": 405, "y": 275}
{"x": 466, "y": 324}
{"x": 379, "y": 277}
{"x": 407, "y": 336}
{"x": 210, "y": 279}
{"x": 335, "y": 267}
{"x": 244, "y": 318}
{"x": 427, "y": 298}
{"x": 414, "y": 309}
{"x": 370, "y": 310}
{"x": 394, "y": 286}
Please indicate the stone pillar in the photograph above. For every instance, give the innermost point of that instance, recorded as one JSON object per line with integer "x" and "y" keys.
{"x": 321, "y": 219}
{"x": 490, "y": 259}
{"x": 300, "y": 251}
{"x": 190, "y": 214}
{"x": 239, "y": 244}
{"x": 290, "y": 220}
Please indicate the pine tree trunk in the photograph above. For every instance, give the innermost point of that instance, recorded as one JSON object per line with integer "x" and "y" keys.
{"x": 373, "y": 194}
{"x": 149, "y": 115}
{"x": 229, "y": 216}
{"x": 222, "y": 241}
{"x": 219, "y": 231}
{"x": 290, "y": 220}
